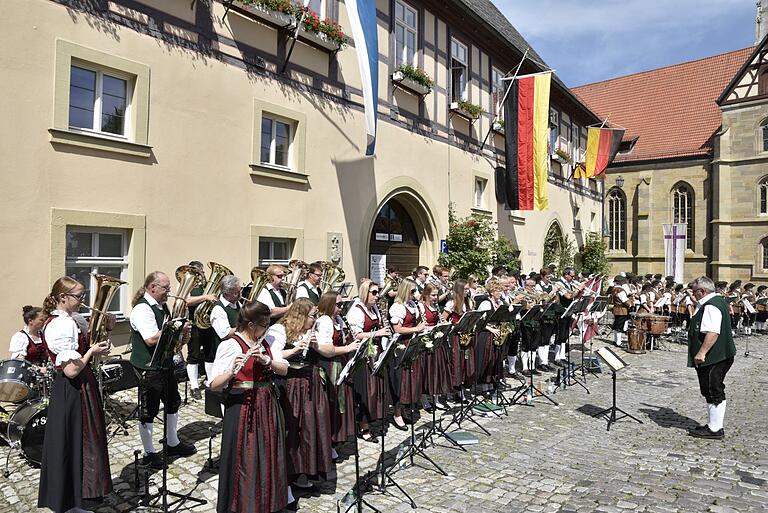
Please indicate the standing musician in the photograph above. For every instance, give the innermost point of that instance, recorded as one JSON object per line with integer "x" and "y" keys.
{"x": 223, "y": 319}
{"x": 334, "y": 348}
{"x": 157, "y": 382}
{"x": 762, "y": 310}
{"x": 302, "y": 395}
{"x": 530, "y": 332}
{"x": 195, "y": 349}
{"x": 439, "y": 279}
{"x": 734, "y": 303}
{"x": 272, "y": 294}
{"x": 622, "y": 305}
{"x": 437, "y": 362}
{"x": 568, "y": 292}
{"x": 310, "y": 287}
{"x": 549, "y": 320}
{"x": 405, "y": 319}
{"x": 252, "y": 470}
{"x": 75, "y": 461}
{"x": 462, "y": 359}
{"x": 420, "y": 278}
{"x": 486, "y": 355}
{"x": 646, "y": 299}
{"x": 26, "y": 343}
{"x": 749, "y": 317}
{"x": 371, "y": 392}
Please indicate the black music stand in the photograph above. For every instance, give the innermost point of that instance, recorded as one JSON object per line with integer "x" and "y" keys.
{"x": 526, "y": 393}
{"x": 163, "y": 353}
{"x": 385, "y": 478}
{"x": 504, "y": 314}
{"x": 597, "y": 310}
{"x": 412, "y": 352}
{"x": 578, "y": 307}
{"x": 353, "y": 365}
{"x": 615, "y": 363}
{"x": 468, "y": 325}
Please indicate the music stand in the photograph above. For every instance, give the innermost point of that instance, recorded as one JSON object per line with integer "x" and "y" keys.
{"x": 412, "y": 352}
{"x": 163, "y": 353}
{"x": 749, "y": 310}
{"x": 503, "y": 314}
{"x": 385, "y": 478}
{"x": 615, "y": 363}
{"x": 596, "y": 311}
{"x": 578, "y": 307}
{"x": 352, "y": 366}
{"x": 528, "y": 391}
{"x": 468, "y": 324}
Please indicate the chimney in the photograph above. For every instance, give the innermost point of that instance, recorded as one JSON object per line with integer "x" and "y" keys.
{"x": 761, "y": 21}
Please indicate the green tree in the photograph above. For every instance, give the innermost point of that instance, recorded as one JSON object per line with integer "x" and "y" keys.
{"x": 593, "y": 257}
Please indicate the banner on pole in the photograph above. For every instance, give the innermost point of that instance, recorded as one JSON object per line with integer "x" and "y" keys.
{"x": 675, "y": 243}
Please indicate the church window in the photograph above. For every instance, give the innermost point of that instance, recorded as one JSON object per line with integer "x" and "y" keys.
{"x": 763, "y": 196}
{"x": 682, "y": 209}
{"x": 764, "y": 135}
{"x": 617, "y": 220}
{"x": 764, "y": 248}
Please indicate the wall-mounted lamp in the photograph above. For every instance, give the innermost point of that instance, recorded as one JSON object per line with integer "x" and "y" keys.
{"x": 619, "y": 181}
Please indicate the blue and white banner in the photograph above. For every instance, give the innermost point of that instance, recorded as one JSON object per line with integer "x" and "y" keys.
{"x": 362, "y": 16}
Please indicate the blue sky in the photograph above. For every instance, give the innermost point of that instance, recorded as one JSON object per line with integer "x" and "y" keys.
{"x": 589, "y": 41}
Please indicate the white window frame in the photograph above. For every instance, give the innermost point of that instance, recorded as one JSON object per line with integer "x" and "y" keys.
{"x": 272, "y": 142}
{"x": 402, "y": 59}
{"x": 455, "y": 46}
{"x": 96, "y": 126}
{"x": 617, "y": 220}
{"x": 762, "y": 193}
{"x": 479, "y": 201}
{"x": 764, "y": 254}
{"x": 497, "y": 89}
{"x": 94, "y": 262}
{"x": 269, "y": 260}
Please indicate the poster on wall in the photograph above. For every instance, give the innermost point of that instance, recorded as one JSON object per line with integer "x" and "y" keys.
{"x": 378, "y": 268}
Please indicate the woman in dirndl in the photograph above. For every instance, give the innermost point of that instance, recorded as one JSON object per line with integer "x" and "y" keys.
{"x": 438, "y": 381}
{"x": 462, "y": 358}
{"x": 371, "y": 391}
{"x": 487, "y": 354}
{"x": 252, "y": 472}
{"x": 405, "y": 384}
{"x": 75, "y": 463}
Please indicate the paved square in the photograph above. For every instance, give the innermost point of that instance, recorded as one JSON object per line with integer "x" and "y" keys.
{"x": 541, "y": 458}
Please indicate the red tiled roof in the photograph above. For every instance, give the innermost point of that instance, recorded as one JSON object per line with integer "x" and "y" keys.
{"x": 671, "y": 110}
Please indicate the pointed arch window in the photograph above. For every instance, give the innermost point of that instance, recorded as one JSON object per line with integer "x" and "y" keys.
{"x": 682, "y": 210}
{"x": 764, "y": 135}
{"x": 762, "y": 196}
{"x": 617, "y": 220}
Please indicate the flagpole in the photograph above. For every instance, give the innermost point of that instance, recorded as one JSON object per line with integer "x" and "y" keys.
{"x": 295, "y": 35}
{"x": 504, "y": 99}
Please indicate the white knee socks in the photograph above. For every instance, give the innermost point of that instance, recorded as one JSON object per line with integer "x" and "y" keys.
{"x": 512, "y": 361}
{"x": 208, "y": 372}
{"x": 617, "y": 338}
{"x": 543, "y": 352}
{"x": 716, "y": 416}
{"x": 525, "y": 359}
{"x": 192, "y": 374}
{"x": 173, "y": 424}
{"x": 145, "y": 433}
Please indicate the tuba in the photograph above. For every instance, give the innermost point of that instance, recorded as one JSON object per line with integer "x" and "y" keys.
{"x": 298, "y": 270}
{"x": 188, "y": 278}
{"x": 203, "y": 311}
{"x": 332, "y": 276}
{"x": 106, "y": 286}
{"x": 259, "y": 280}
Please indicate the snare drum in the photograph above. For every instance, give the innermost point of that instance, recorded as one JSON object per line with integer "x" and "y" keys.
{"x": 111, "y": 372}
{"x": 26, "y": 429}
{"x": 654, "y": 324}
{"x": 17, "y": 380}
{"x": 122, "y": 376}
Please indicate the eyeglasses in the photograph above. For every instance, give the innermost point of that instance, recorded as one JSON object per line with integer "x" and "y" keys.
{"x": 374, "y": 292}
{"x": 79, "y": 297}
{"x": 279, "y": 275}
{"x": 166, "y": 288}
{"x": 316, "y": 274}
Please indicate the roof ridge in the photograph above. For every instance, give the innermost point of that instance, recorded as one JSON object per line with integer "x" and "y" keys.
{"x": 576, "y": 88}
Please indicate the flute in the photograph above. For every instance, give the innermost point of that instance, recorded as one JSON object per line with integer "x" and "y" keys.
{"x": 252, "y": 351}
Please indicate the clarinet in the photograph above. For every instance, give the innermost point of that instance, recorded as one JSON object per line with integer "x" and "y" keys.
{"x": 252, "y": 351}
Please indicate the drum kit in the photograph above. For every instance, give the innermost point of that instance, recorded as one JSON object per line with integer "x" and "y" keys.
{"x": 645, "y": 327}
{"x": 24, "y": 393}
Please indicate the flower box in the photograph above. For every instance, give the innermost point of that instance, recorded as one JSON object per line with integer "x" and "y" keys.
{"x": 409, "y": 84}
{"x": 457, "y": 108}
{"x": 319, "y": 39}
{"x": 278, "y": 18}
{"x": 499, "y": 128}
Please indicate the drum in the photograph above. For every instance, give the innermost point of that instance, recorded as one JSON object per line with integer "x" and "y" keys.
{"x": 653, "y": 324}
{"x": 761, "y": 307}
{"x": 738, "y": 308}
{"x": 17, "y": 380}
{"x": 26, "y": 429}
{"x": 125, "y": 377}
{"x": 111, "y": 372}
{"x": 635, "y": 341}
{"x": 682, "y": 309}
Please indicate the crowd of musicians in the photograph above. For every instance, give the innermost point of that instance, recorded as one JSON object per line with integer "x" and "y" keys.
{"x": 275, "y": 362}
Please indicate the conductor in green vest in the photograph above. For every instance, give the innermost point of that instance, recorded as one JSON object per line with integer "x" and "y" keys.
{"x": 309, "y": 288}
{"x": 710, "y": 352}
{"x": 157, "y": 381}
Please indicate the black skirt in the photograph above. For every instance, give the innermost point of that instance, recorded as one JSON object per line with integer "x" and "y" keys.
{"x": 75, "y": 463}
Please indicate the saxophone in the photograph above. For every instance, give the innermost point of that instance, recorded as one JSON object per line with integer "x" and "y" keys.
{"x": 504, "y": 330}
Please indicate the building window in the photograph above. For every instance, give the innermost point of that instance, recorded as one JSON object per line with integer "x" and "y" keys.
{"x": 98, "y": 251}
{"x": 553, "y": 130}
{"x": 617, "y": 220}
{"x": 405, "y": 34}
{"x": 325, "y": 9}
{"x": 459, "y": 71}
{"x": 764, "y": 136}
{"x": 275, "y": 251}
{"x": 682, "y": 210}
{"x": 497, "y": 93}
{"x": 565, "y": 132}
{"x": 99, "y": 101}
{"x": 480, "y": 185}
{"x": 275, "y": 142}
{"x": 763, "y": 196}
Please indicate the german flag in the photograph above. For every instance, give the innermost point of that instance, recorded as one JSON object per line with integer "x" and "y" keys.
{"x": 602, "y": 146}
{"x": 526, "y": 120}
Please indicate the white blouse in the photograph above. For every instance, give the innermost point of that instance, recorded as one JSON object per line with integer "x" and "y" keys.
{"x": 225, "y": 355}
{"x": 356, "y": 317}
{"x": 19, "y": 341}
{"x": 61, "y": 335}
{"x": 324, "y": 327}
{"x": 398, "y": 310}
{"x": 276, "y": 338}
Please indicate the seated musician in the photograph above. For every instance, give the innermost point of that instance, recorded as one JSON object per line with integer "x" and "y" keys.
{"x": 26, "y": 343}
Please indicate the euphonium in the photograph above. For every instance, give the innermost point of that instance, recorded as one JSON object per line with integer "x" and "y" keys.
{"x": 106, "y": 286}
{"x": 259, "y": 280}
{"x": 298, "y": 271}
{"x": 332, "y": 276}
{"x": 188, "y": 277}
{"x": 212, "y": 287}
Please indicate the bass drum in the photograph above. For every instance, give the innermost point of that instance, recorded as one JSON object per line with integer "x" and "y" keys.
{"x": 26, "y": 429}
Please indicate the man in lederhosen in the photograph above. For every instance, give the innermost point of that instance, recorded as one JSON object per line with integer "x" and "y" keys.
{"x": 710, "y": 351}
{"x": 156, "y": 379}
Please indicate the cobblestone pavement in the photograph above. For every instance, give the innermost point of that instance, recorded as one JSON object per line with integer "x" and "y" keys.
{"x": 543, "y": 458}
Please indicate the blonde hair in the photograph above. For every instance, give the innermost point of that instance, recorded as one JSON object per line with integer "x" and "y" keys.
{"x": 63, "y": 285}
{"x": 426, "y": 294}
{"x": 407, "y": 286}
{"x": 365, "y": 289}
{"x": 295, "y": 318}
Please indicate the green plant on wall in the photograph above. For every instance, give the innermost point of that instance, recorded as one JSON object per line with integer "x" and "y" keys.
{"x": 593, "y": 257}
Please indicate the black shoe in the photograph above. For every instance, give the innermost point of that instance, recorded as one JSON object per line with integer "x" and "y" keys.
{"x": 536, "y": 372}
{"x": 183, "y": 449}
{"x": 292, "y": 506}
{"x": 398, "y": 426}
{"x": 526, "y": 373}
{"x": 153, "y": 460}
{"x": 196, "y": 394}
{"x": 705, "y": 432}
{"x": 558, "y": 363}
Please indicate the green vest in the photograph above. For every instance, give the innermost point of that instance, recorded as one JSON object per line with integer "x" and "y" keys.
{"x": 232, "y": 313}
{"x": 141, "y": 353}
{"x": 724, "y": 347}
{"x": 546, "y": 287}
{"x": 277, "y": 299}
{"x": 311, "y": 293}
